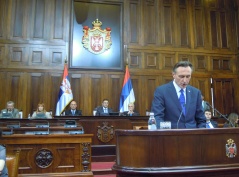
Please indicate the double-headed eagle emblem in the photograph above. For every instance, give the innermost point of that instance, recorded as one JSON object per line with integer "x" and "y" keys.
{"x": 96, "y": 40}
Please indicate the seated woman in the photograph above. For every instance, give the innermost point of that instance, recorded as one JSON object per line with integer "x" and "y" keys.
{"x": 130, "y": 111}
{"x": 41, "y": 112}
{"x": 233, "y": 119}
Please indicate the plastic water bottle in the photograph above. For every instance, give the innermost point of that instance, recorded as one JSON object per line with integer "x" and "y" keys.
{"x": 29, "y": 116}
{"x": 152, "y": 122}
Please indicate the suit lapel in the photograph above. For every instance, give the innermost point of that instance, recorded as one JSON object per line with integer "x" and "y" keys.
{"x": 188, "y": 99}
{"x": 174, "y": 95}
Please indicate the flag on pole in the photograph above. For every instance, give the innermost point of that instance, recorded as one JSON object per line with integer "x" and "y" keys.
{"x": 65, "y": 95}
{"x": 127, "y": 94}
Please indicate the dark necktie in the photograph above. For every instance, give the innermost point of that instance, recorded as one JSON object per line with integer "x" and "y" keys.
{"x": 182, "y": 101}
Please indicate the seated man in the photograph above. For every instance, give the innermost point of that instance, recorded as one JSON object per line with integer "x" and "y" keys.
{"x": 73, "y": 111}
{"x": 131, "y": 111}
{"x": 104, "y": 110}
{"x": 210, "y": 123}
{"x": 10, "y": 111}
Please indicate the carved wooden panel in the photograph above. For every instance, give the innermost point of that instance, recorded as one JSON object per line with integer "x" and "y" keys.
{"x": 39, "y": 19}
{"x": 2, "y": 17}
{"x": 214, "y": 29}
{"x": 134, "y": 21}
{"x": 135, "y": 60}
{"x": 168, "y": 26}
{"x": 151, "y": 60}
{"x": 183, "y": 23}
{"x": 222, "y": 64}
{"x": 203, "y": 84}
{"x": 150, "y": 21}
{"x": 223, "y": 95}
{"x": 59, "y": 20}
{"x": 18, "y": 14}
{"x": 116, "y": 84}
{"x": 36, "y": 91}
{"x": 199, "y": 26}
{"x": 168, "y": 61}
{"x": 223, "y": 27}
{"x": 200, "y": 63}
{"x": 97, "y": 81}
{"x": 78, "y": 90}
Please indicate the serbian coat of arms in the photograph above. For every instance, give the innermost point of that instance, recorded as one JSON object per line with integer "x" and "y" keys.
{"x": 231, "y": 149}
{"x": 96, "y": 40}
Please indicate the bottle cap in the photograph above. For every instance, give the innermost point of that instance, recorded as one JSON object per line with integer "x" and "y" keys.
{"x": 151, "y": 114}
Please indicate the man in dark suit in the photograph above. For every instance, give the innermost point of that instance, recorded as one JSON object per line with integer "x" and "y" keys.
{"x": 178, "y": 102}
{"x": 73, "y": 111}
{"x": 210, "y": 123}
{"x": 130, "y": 111}
{"x": 104, "y": 110}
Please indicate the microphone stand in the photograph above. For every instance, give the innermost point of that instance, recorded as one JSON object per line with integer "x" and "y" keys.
{"x": 221, "y": 115}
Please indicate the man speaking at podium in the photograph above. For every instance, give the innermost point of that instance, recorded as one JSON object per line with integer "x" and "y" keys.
{"x": 178, "y": 102}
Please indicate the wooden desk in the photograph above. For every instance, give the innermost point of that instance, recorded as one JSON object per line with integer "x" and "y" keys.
{"x": 181, "y": 153}
{"x": 51, "y": 155}
{"x": 102, "y": 127}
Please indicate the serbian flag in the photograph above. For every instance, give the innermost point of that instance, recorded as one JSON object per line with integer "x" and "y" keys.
{"x": 127, "y": 94}
{"x": 65, "y": 95}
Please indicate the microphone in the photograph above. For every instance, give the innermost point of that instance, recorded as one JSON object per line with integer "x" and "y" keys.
{"x": 221, "y": 115}
{"x": 180, "y": 115}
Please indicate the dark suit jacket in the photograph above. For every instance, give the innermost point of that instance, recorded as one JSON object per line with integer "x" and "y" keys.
{"x": 166, "y": 107}
{"x": 214, "y": 123}
{"x": 69, "y": 113}
{"x": 100, "y": 111}
{"x": 125, "y": 113}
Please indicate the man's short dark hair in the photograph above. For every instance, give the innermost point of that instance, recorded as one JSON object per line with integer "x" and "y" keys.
{"x": 182, "y": 64}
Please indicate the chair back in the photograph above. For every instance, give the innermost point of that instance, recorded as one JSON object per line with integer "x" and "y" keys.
{"x": 12, "y": 161}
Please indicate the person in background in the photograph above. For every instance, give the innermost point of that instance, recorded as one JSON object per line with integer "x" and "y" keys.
{"x": 131, "y": 111}
{"x": 233, "y": 119}
{"x": 3, "y": 165}
{"x": 10, "y": 109}
{"x": 73, "y": 111}
{"x": 204, "y": 105}
{"x": 104, "y": 110}
{"x": 210, "y": 123}
{"x": 41, "y": 112}
{"x": 178, "y": 102}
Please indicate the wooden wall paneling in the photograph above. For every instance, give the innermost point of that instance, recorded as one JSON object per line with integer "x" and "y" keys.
{"x": 2, "y": 55}
{"x": 201, "y": 63}
{"x": 39, "y": 19}
{"x": 137, "y": 84}
{"x": 57, "y": 56}
{"x": 204, "y": 85}
{"x": 149, "y": 84}
{"x": 37, "y": 91}
{"x": 167, "y": 20}
{"x": 183, "y": 24}
{"x": 55, "y": 80}
{"x": 151, "y": 60}
{"x": 168, "y": 61}
{"x": 3, "y": 8}
{"x": 17, "y": 55}
{"x": 199, "y": 24}
{"x": 223, "y": 95}
{"x": 150, "y": 25}
{"x": 224, "y": 21}
{"x": 134, "y": 21}
{"x": 38, "y": 56}
{"x": 135, "y": 60}
{"x": 14, "y": 87}
{"x": 3, "y": 90}
{"x": 79, "y": 92}
{"x": 98, "y": 92}
{"x": 115, "y": 88}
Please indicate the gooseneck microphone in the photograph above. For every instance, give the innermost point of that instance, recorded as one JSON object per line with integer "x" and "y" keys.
{"x": 180, "y": 115}
{"x": 221, "y": 115}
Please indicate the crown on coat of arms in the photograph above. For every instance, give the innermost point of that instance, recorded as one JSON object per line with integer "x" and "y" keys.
{"x": 97, "y": 23}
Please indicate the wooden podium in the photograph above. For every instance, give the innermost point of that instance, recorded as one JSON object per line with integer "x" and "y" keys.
{"x": 181, "y": 153}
